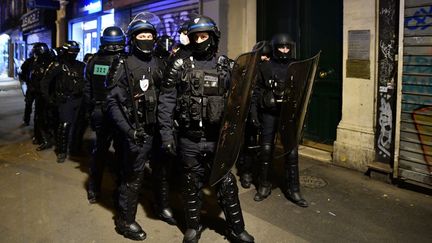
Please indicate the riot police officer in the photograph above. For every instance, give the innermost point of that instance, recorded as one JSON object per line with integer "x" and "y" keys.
{"x": 269, "y": 92}
{"x": 132, "y": 104}
{"x": 66, "y": 77}
{"x": 43, "y": 58}
{"x": 29, "y": 98}
{"x": 112, "y": 46}
{"x": 248, "y": 158}
{"x": 192, "y": 96}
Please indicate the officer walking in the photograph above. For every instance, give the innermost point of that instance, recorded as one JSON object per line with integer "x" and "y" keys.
{"x": 132, "y": 104}
{"x": 248, "y": 159}
{"x": 269, "y": 92}
{"x": 192, "y": 96}
{"x": 66, "y": 76}
{"x": 112, "y": 46}
{"x": 24, "y": 77}
{"x": 42, "y": 60}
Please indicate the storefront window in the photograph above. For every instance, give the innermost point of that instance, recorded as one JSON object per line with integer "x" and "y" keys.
{"x": 4, "y": 55}
{"x": 107, "y": 20}
{"x": 87, "y": 32}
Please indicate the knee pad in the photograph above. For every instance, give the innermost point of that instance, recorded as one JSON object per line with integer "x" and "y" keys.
{"x": 228, "y": 189}
{"x": 134, "y": 181}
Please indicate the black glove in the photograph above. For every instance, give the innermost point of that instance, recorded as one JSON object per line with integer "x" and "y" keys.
{"x": 255, "y": 122}
{"x": 140, "y": 137}
{"x": 169, "y": 148}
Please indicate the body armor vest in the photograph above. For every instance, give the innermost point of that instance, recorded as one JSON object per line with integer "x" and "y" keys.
{"x": 100, "y": 68}
{"x": 72, "y": 79}
{"x": 37, "y": 73}
{"x": 202, "y": 96}
{"x": 276, "y": 83}
{"x": 145, "y": 91}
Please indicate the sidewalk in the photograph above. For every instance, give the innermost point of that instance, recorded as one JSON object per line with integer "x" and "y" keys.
{"x": 9, "y": 84}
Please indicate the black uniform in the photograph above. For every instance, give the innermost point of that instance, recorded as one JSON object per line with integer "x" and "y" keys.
{"x": 132, "y": 105}
{"x": 193, "y": 96}
{"x": 42, "y": 125}
{"x": 24, "y": 76}
{"x": 248, "y": 159}
{"x": 95, "y": 91}
{"x": 266, "y": 104}
{"x": 66, "y": 79}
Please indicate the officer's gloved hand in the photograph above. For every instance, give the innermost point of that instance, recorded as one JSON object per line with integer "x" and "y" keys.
{"x": 140, "y": 136}
{"x": 255, "y": 122}
{"x": 169, "y": 148}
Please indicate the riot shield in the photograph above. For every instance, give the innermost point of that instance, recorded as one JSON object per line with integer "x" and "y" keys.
{"x": 296, "y": 101}
{"x": 243, "y": 79}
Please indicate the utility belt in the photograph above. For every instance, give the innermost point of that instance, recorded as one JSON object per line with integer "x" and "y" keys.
{"x": 200, "y": 110}
{"x": 146, "y": 104}
{"x": 211, "y": 133}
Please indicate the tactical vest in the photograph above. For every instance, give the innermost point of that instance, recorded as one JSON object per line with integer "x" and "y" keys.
{"x": 100, "y": 68}
{"x": 37, "y": 73}
{"x": 277, "y": 86}
{"x": 202, "y": 96}
{"x": 72, "y": 79}
{"x": 145, "y": 93}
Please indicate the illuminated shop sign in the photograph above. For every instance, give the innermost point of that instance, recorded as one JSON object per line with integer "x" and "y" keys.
{"x": 90, "y": 6}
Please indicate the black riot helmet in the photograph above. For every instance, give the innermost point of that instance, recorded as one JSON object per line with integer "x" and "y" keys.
{"x": 204, "y": 24}
{"x": 113, "y": 39}
{"x": 139, "y": 26}
{"x": 280, "y": 41}
{"x": 70, "y": 50}
{"x": 264, "y": 48}
{"x": 164, "y": 45}
{"x": 40, "y": 49}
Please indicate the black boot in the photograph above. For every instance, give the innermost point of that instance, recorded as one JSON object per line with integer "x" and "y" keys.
{"x": 192, "y": 235}
{"x": 264, "y": 185}
{"x": 193, "y": 201}
{"x": 161, "y": 193}
{"x": 227, "y": 193}
{"x": 243, "y": 237}
{"x": 128, "y": 202}
{"x": 292, "y": 191}
{"x": 131, "y": 231}
{"x": 246, "y": 180}
{"x": 61, "y": 157}
{"x": 44, "y": 145}
{"x": 264, "y": 190}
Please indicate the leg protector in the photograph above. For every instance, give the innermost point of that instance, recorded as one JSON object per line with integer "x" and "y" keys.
{"x": 193, "y": 200}
{"x": 128, "y": 202}
{"x": 62, "y": 141}
{"x": 161, "y": 192}
{"x": 264, "y": 185}
{"x": 292, "y": 191}
{"x": 227, "y": 193}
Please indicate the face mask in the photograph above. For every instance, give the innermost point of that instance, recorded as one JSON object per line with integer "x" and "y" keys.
{"x": 70, "y": 56}
{"x": 203, "y": 46}
{"x": 145, "y": 46}
{"x": 184, "y": 39}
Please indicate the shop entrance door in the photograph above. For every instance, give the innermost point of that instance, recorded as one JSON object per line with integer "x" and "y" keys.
{"x": 90, "y": 41}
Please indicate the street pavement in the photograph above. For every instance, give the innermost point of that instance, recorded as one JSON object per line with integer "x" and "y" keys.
{"x": 43, "y": 201}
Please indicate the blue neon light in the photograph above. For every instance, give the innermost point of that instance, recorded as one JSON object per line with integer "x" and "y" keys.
{"x": 90, "y": 6}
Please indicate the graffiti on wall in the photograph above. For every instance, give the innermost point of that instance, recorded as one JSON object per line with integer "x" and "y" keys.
{"x": 171, "y": 22}
{"x": 423, "y": 122}
{"x": 384, "y": 142}
{"x": 421, "y": 19}
{"x": 415, "y": 152}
